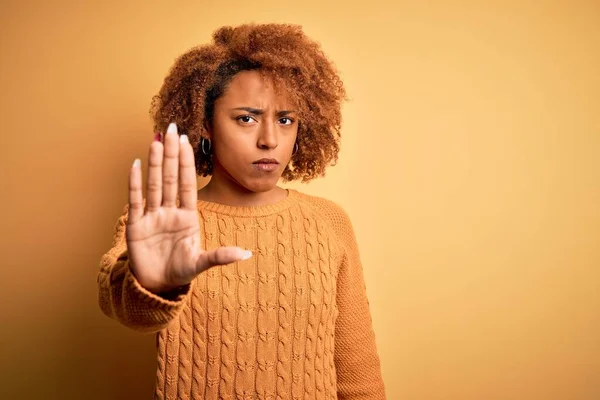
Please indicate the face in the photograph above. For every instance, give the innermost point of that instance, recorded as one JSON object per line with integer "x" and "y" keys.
{"x": 253, "y": 133}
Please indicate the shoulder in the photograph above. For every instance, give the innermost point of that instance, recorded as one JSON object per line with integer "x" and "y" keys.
{"x": 334, "y": 215}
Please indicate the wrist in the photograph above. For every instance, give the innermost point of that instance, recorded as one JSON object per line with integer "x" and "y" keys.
{"x": 172, "y": 292}
{"x": 158, "y": 288}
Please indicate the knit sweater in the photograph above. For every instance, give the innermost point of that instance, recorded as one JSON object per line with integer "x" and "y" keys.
{"x": 292, "y": 322}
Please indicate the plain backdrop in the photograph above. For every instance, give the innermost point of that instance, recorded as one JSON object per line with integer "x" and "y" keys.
{"x": 470, "y": 167}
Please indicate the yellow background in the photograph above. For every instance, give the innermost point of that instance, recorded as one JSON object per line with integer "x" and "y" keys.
{"x": 470, "y": 167}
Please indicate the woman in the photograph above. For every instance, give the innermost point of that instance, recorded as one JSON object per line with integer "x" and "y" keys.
{"x": 255, "y": 292}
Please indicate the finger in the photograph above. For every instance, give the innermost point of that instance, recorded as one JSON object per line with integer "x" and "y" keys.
{"x": 170, "y": 167}
{"x": 188, "y": 194}
{"x": 154, "y": 189}
{"x": 136, "y": 205}
{"x": 221, "y": 256}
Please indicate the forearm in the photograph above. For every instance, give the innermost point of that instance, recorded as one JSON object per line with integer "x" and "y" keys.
{"x": 122, "y": 298}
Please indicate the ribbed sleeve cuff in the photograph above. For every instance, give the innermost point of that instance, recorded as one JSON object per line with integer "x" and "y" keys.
{"x": 164, "y": 301}
{"x": 143, "y": 310}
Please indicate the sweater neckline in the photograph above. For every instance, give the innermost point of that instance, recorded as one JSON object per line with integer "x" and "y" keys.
{"x": 250, "y": 211}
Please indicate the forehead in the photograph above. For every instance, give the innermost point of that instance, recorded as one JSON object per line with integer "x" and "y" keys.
{"x": 250, "y": 88}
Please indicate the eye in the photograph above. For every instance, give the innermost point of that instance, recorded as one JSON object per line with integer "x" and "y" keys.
{"x": 286, "y": 121}
{"x": 246, "y": 119}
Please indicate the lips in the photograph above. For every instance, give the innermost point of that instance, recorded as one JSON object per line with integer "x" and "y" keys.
{"x": 266, "y": 161}
{"x": 266, "y": 164}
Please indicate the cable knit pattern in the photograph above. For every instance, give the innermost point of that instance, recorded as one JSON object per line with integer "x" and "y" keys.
{"x": 266, "y": 351}
{"x": 214, "y": 307}
{"x": 161, "y": 347}
{"x": 200, "y": 337}
{"x": 290, "y": 323}
{"x": 302, "y": 303}
{"x": 326, "y": 274}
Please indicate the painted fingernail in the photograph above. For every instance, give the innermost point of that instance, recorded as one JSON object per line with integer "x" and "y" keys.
{"x": 158, "y": 137}
{"x": 246, "y": 255}
{"x": 136, "y": 163}
{"x": 172, "y": 128}
{"x": 183, "y": 139}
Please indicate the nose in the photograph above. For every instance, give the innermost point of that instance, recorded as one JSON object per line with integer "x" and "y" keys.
{"x": 267, "y": 137}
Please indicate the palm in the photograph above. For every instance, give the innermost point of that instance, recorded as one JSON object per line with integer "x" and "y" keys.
{"x": 167, "y": 244}
{"x": 163, "y": 237}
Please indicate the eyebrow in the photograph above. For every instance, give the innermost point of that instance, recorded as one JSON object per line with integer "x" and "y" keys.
{"x": 258, "y": 111}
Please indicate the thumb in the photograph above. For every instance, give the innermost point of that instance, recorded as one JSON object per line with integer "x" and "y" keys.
{"x": 221, "y": 256}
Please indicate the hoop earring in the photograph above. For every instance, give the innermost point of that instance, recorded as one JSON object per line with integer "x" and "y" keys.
{"x": 295, "y": 149}
{"x": 202, "y": 146}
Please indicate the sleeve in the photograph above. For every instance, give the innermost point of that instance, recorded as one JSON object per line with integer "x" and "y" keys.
{"x": 356, "y": 358}
{"x": 120, "y": 295}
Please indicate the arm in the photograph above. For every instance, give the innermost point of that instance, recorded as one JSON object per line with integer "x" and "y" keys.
{"x": 356, "y": 359}
{"x": 121, "y": 296}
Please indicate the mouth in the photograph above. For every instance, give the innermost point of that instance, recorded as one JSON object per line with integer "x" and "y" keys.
{"x": 266, "y": 164}
{"x": 266, "y": 161}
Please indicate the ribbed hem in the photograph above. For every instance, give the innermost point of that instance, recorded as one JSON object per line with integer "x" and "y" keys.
{"x": 251, "y": 211}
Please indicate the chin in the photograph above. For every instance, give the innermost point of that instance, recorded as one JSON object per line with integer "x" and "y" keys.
{"x": 261, "y": 185}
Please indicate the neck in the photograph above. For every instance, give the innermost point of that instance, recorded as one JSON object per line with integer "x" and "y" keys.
{"x": 223, "y": 189}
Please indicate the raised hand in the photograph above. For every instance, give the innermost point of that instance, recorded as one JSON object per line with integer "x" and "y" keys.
{"x": 163, "y": 240}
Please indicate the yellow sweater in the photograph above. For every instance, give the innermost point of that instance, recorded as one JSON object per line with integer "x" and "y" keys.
{"x": 292, "y": 322}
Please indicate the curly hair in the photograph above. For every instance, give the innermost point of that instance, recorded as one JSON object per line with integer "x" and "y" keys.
{"x": 281, "y": 52}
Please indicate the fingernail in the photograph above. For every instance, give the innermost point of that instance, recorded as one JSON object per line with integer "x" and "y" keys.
{"x": 136, "y": 163}
{"x": 246, "y": 255}
{"x": 158, "y": 137}
{"x": 172, "y": 128}
{"x": 183, "y": 139}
